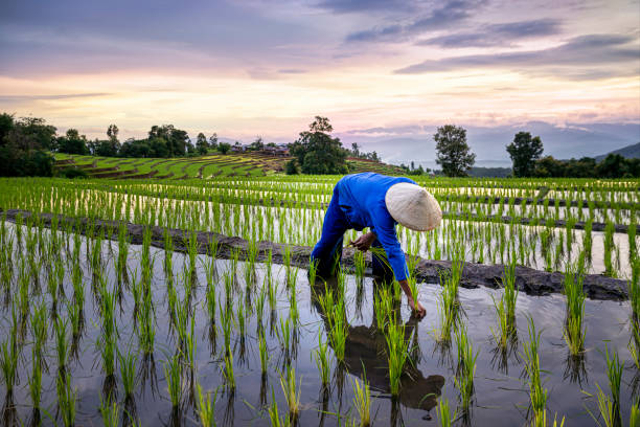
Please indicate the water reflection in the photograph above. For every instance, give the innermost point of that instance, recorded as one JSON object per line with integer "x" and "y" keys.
{"x": 366, "y": 356}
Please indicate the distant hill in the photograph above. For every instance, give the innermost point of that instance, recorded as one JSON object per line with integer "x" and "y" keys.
{"x": 629, "y": 152}
{"x": 481, "y": 172}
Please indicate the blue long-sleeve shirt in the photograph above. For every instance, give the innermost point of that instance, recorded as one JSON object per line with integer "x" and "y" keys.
{"x": 362, "y": 200}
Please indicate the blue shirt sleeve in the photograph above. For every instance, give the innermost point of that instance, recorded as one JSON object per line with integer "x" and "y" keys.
{"x": 385, "y": 230}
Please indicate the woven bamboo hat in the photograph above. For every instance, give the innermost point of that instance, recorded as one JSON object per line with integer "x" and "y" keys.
{"x": 413, "y": 206}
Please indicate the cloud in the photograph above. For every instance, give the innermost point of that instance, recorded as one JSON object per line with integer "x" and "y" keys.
{"x": 19, "y": 98}
{"x": 497, "y": 34}
{"x": 348, "y": 6}
{"x": 450, "y": 13}
{"x": 292, "y": 71}
{"x": 392, "y": 130}
{"x": 607, "y": 52}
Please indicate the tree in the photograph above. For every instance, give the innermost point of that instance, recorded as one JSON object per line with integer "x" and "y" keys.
{"x": 317, "y": 152}
{"x": 24, "y": 145}
{"x": 107, "y": 148}
{"x": 73, "y": 143}
{"x": 452, "y": 151}
{"x": 213, "y": 140}
{"x": 257, "y": 145}
{"x": 613, "y": 166}
{"x": 201, "y": 144}
{"x": 291, "y": 168}
{"x": 177, "y": 139}
{"x": 355, "y": 149}
{"x": 224, "y": 147}
{"x": 524, "y": 151}
{"x": 112, "y": 132}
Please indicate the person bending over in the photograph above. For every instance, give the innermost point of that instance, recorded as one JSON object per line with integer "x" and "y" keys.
{"x": 378, "y": 202}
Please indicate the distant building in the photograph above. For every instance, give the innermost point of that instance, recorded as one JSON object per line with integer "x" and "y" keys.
{"x": 239, "y": 148}
{"x": 280, "y": 150}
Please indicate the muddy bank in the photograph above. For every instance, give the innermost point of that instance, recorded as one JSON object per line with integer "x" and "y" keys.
{"x": 528, "y": 280}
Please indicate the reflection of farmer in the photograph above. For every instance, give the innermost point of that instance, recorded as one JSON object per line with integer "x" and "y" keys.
{"x": 378, "y": 202}
{"x": 366, "y": 356}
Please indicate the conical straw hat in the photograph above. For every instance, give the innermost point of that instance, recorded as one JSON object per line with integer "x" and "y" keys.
{"x": 413, "y": 206}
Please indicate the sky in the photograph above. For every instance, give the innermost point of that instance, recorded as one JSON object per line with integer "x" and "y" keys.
{"x": 385, "y": 72}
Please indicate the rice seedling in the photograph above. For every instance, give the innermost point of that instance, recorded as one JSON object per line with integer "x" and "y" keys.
{"x": 206, "y": 405}
{"x": 284, "y": 335}
{"x": 445, "y": 417}
{"x": 634, "y": 345}
{"x": 128, "y": 365}
{"x": 264, "y": 352}
{"x": 333, "y": 309}
{"x": 464, "y": 378}
{"x": 537, "y": 393}
{"x": 210, "y": 301}
{"x": 574, "y": 330}
{"x": 146, "y": 326}
{"x": 9, "y": 354}
{"x": 291, "y": 391}
{"x": 449, "y": 309}
{"x": 359, "y": 264}
{"x": 110, "y": 412}
{"x": 66, "y": 398}
{"x": 634, "y": 290}
{"x": 260, "y": 303}
{"x": 293, "y": 296}
{"x": 614, "y": 374}
{"x": 62, "y": 342}
{"x": 506, "y": 308}
{"x": 108, "y": 343}
{"x": 192, "y": 251}
{"x": 274, "y": 415}
{"x": 362, "y": 401}
{"x": 123, "y": 251}
{"x": 173, "y": 376}
{"x": 228, "y": 371}
{"x": 608, "y": 249}
{"x": 634, "y": 416}
{"x": 398, "y": 348}
{"x": 413, "y": 285}
{"x": 226, "y": 318}
{"x": 168, "y": 255}
{"x": 313, "y": 271}
{"x": 272, "y": 294}
{"x": 321, "y": 357}
{"x": 35, "y": 380}
{"x": 39, "y": 325}
{"x": 608, "y": 417}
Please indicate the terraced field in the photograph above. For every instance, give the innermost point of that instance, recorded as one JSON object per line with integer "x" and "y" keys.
{"x": 204, "y": 167}
{"x": 210, "y": 166}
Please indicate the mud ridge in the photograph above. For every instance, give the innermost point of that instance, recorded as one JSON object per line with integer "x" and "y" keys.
{"x": 528, "y": 280}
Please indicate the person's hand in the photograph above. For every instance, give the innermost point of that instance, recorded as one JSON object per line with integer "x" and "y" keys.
{"x": 418, "y": 311}
{"x": 363, "y": 243}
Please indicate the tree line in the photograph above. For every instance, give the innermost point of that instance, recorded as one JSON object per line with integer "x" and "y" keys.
{"x": 26, "y": 145}
{"x": 454, "y": 155}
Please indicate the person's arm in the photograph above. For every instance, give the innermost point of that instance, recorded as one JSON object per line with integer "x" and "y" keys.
{"x": 389, "y": 240}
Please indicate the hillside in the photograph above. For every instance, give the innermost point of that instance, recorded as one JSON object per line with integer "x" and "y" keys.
{"x": 629, "y": 152}
{"x": 209, "y": 166}
{"x": 204, "y": 167}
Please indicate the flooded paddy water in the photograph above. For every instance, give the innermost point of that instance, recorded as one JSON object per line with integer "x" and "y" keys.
{"x": 282, "y": 306}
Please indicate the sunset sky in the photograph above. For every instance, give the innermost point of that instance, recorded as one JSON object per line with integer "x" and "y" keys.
{"x": 376, "y": 68}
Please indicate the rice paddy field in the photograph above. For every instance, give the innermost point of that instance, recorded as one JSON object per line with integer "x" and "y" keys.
{"x": 102, "y": 327}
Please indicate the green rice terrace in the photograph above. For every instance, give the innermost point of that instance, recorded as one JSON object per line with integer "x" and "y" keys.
{"x": 185, "y": 296}
{"x": 203, "y": 167}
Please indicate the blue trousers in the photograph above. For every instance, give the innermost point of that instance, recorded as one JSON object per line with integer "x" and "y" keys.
{"x": 327, "y": 253}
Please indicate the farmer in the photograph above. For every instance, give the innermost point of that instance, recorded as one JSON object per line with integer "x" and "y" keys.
{"x": 378, "y": 202}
